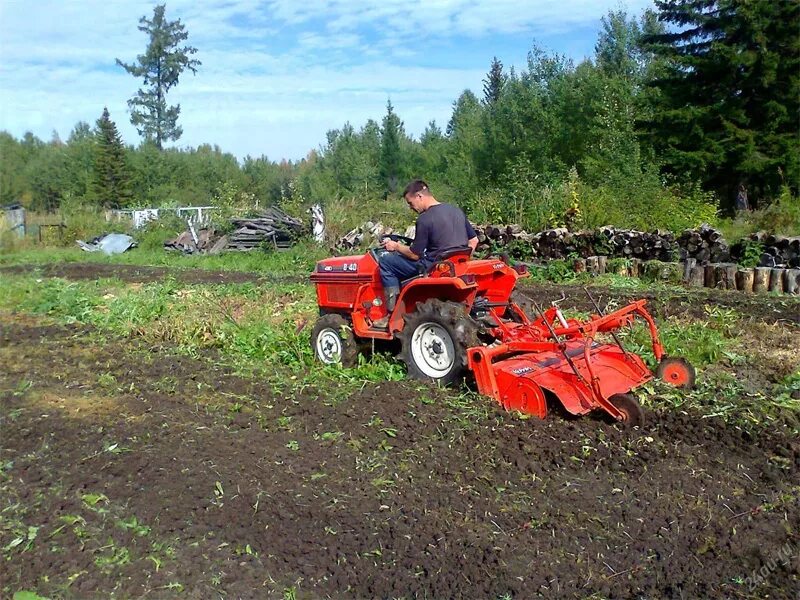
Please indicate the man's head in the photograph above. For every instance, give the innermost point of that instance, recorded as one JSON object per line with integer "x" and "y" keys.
{"x": 418, "y": 196}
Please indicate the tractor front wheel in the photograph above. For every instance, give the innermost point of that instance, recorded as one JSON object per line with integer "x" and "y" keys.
{"x": 677, "y": 372}
{"x": 435, "y": 339}
{"x": 632, "y": 413}
{"x": 334, "y": 342}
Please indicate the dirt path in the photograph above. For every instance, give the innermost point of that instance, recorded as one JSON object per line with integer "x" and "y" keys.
{"x": 147, "y": 474}
{"x": 769, "y": 309}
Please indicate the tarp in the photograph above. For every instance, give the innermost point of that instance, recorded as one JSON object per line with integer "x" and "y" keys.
{"x": 113, "y": 243}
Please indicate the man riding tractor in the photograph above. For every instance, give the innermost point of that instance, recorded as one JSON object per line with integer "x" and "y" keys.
{"x": 456, "y": 316}
{"x": 440, "y": 228}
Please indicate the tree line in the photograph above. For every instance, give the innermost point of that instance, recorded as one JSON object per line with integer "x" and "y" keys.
{"x": 677, "y": 109}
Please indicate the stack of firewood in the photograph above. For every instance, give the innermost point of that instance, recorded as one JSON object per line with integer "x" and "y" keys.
{"x": 272, "y": 227}
{"x": 367, "y": 234}
{"x": 779, "y": 250}
{"x": 629, "y": 243}
{"x": 704, "y": 244}
{"x": 608, "y": 241}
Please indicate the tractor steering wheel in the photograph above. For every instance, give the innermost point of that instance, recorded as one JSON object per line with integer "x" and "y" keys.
{"x": 380, "y": 250}
{"x": 396, "y": 238}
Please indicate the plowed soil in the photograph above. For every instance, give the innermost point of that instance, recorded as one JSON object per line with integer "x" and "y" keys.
{"x": 152, "y": 475}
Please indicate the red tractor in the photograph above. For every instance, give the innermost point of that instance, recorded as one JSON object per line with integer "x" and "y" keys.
{"x": 463, "y": 316}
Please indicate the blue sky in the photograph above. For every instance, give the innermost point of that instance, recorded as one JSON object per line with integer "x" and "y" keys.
{"x": 277, "y": 74}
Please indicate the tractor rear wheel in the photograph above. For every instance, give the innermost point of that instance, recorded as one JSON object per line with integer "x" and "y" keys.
{"x": 632, "y": 413}
{"x": 677, "y": 372}
{"x": 435, "y": 339}
{"x": 334, "y": 342}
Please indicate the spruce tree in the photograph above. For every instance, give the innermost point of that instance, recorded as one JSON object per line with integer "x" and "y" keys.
{"x": 390, "y": 163}
{"x": 729, "y": 96}
{"x": 493, "y": 84}
{"x": 111, "y": 182}
{"x": 160, "y": 67}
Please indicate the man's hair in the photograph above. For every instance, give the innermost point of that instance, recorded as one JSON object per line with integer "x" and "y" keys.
{"x": 417, "y": 187}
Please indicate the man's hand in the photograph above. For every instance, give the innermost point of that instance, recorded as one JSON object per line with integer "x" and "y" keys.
{"x": 391, "y": 245}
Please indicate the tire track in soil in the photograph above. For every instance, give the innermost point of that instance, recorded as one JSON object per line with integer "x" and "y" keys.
{"x": 554, "y": 508}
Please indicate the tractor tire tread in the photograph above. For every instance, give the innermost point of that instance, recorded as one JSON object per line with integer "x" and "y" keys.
{"x": 462, "y": 329}
{"x": 350, "y": 346}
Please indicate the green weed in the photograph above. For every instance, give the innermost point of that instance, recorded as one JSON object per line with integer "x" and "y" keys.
{"x": 27, "y": 595}
{"x": 132, "y": 524}
{"x": 115, "y": 557}
{"x": 23, "y": 540}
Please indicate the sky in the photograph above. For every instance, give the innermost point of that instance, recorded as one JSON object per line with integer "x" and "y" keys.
{"x": 276, "y": 75}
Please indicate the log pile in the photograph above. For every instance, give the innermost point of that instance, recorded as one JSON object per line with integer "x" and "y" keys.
{"x": 560, "y": 243}
{"x": 272, "y": 227}
{"x": 704, "y": 244}
{"x": 722, "y": 276}
{"x": 705, "y": 257}
{"x": 730, "y": 276}
{"x": 367, "y": 234}
{"x": 193, "y": 240}
{"x": 777, "y": 250}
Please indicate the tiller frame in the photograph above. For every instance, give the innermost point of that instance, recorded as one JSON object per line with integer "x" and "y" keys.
{"x": 527, "y": 361}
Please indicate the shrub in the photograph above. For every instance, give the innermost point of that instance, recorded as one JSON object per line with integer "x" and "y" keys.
{"x": 154, "y": 233}
{"x": 644, "y": 203}
{"x": 780, "y": 217}
{"x": 750, "y": 253}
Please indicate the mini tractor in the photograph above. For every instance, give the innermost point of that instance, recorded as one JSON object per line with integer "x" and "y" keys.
{"x": 462, "y": 317}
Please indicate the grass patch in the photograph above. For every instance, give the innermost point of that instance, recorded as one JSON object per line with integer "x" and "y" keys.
{"x": 259, "y": 330}
{"x": 702, "y": 342}
{"x": 298, "y": 260}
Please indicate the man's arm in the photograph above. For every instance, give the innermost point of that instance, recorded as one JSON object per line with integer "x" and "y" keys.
{"x": 402, "y": 249}
{"x": 472, "y": 242}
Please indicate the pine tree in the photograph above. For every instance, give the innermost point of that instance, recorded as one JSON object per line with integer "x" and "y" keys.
{"x": 160, "y": 67}
{"x": 494, "y": 82}
{"x": 729, "y": 96}
{"x": 465, "y": 139}
{"x": 391, "y": 159}
{"x": 111, "y": 183}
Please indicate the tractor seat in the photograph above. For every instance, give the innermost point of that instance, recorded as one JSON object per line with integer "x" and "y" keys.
{"x": 463, "y": 253}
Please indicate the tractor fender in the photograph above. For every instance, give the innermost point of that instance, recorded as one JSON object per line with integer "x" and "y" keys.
{"x": 452, "y": 289}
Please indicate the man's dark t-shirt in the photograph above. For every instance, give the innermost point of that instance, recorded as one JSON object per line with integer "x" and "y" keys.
{"x": 441, "y": 228}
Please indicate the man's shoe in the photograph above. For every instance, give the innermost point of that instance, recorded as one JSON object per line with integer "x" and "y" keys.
{"x": 391, "y": 294}
{"x": 381, "y": 323}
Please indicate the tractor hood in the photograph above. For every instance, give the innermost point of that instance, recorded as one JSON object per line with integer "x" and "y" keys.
{"x": 356, "y": 268}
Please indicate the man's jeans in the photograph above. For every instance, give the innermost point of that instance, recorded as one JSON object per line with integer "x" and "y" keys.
{"x": 394, "y": 268}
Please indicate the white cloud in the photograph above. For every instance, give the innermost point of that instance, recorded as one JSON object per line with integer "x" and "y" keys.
{"x": 275, "y": 74}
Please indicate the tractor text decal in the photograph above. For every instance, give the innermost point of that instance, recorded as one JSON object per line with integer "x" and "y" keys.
{"x": 522, "y": 370}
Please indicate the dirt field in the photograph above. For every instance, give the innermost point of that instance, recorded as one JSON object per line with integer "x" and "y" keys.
{"x": 131, "y": 472}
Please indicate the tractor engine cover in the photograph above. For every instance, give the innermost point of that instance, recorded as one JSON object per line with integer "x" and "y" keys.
{"x": 338, "y": 280}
